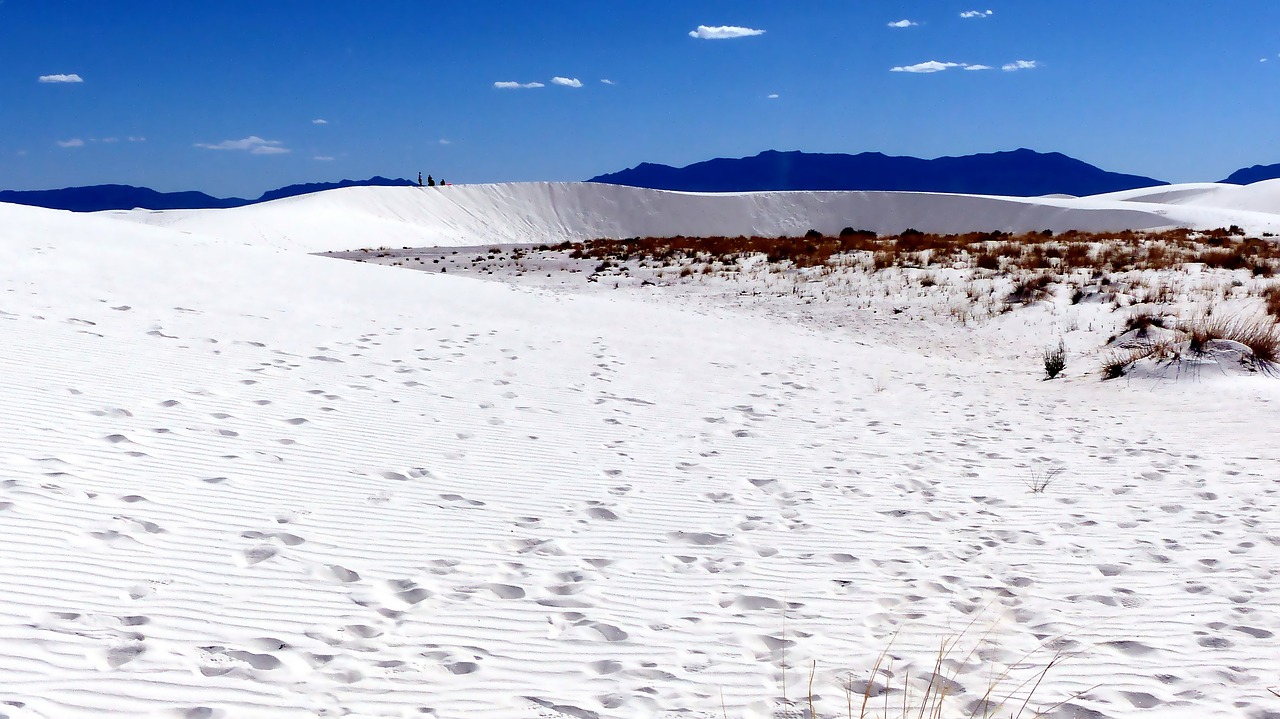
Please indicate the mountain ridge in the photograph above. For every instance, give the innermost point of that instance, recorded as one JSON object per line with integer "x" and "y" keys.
{"x": 1018, "y": 173}
{"x": 96, "y": 198}
{"x": 1250, "y": 175}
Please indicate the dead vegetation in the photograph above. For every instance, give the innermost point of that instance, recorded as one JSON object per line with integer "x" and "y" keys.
{"x": 1063, "y": 253}
{"x": 1251, "y": 342}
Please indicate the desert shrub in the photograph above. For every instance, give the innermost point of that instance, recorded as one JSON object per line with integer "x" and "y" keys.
{"x": 1031, "y": 289}
{"x": 1077, "y": 254}
{"x": 1055, "y": 360}
{"x": 813, "y": 235}
{"x": 1260, "y": 335}
{"x": 1116, "y": 365}
{"x": 1143, "y": 320}
{"x": 986, "y": 261}
{"x": 849, "y": 232}
{"x": 1271, "y": 296}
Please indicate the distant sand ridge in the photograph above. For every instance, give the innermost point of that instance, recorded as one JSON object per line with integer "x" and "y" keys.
{"x": 464, "y": 215}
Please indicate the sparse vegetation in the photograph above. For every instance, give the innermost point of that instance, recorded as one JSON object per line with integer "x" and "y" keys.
{"x": 1116, "y": 252}
{"x": 1260, "y": 335}
{"x": 1271, "y": 298}
{"x": 1040, "y": 479}
{"x": 1148, "y": 277}
{"x": 891, "y": 692}
{"x": 1055, "y": 360}
{"x": 1031, "y": 289}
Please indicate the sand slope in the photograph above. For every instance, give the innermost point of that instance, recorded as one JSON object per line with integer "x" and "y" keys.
{"x": 467, "y": 215}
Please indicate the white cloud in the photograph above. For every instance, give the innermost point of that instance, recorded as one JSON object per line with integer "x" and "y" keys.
{"x": 507, "y": 85}
{"x": 608, "y": 81}
{"x": 1020, "y": 65}
{"x": 968, "y": 14}
{"x": 978, "y": 67}
{"x": 566, "y": 81}
{"x": 445, "y": 142}
{"x": 323, "y": 158}
{"x": 73, "y": 142}
{"x": 903, "y": 23}
{"x": 773, "y": 96}
{"x": 723, "y": 32}
{"x": 105, "y": 140}
{"x": 253, "y": 144}
{"x": 137, "y": 139}
{"x": 319, "y": 121}
{"x": 927, "y": 67}
{"x": 61, "y": 78}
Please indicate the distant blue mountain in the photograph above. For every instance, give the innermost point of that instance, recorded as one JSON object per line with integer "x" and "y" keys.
{"x": 1022, "y": 173}
{"x": 1250, "y": 175}
{"x": 126, "y": 197}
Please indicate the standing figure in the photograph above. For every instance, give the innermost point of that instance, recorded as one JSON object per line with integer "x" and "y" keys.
{"x": 419, "y": 179}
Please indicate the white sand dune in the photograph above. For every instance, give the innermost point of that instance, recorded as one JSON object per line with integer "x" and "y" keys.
{"x": 465, "y": 215}
{"x": 239, "y": 483}
{"x": 1261, "y": 197}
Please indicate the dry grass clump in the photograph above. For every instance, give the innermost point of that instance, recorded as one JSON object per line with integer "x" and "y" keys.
{"x": 1143, "y": 320}
{"x": 1260, "y": 335}
{"x": 1032, "y": 289}
{"x": 1195, "y": 337}
{"x": 1055, "y": 360}
{"x": 890, "y": 692}
{"x": 1271, "y": 298}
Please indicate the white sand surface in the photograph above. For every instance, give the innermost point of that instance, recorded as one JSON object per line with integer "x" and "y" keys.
{"x": 243, "y": 483}
{"x": 537, "y": 212}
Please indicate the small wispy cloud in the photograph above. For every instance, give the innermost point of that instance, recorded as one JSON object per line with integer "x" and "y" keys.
{"x": 723, "y": 32}
{"x": 1020, "y": 65}
{"x": 137, "y": 139}
{"x": 903, "y": 23}
{"x": 508, "y": 85}
{"x": 73, "y": 142}
{"x": 323, "y": 158}
{"x": 971, "y": 14}
{"x": 253, "y": 144}
{"x": 61, "y": 78}
{"x": 566, "y": 81}
{"x": 772, "y": 96}
{"x": 978, "y": 67}
{"x": 445, "y": 142}
{"x": 105, "y": 140}
{"x": 319, "y": 121}
{"x": 927, "y": 67}
{"x": 607, "y": 81}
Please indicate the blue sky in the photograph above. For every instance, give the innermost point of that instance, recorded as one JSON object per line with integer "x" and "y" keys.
{"x": 228, "y": 96}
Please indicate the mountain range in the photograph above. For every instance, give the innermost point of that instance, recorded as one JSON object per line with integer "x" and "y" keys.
{"x": 95, "y": 198}
{"x": 1022, "y": 173}
{"x": 1018, "y": 173}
